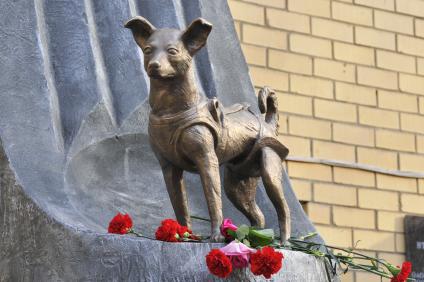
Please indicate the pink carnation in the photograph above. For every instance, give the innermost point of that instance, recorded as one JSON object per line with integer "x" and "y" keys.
{"x": 238, "y": 253}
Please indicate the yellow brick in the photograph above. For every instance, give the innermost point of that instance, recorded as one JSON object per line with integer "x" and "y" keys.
{"x": 421, "y": 102}
{"x": 353, "y": 134}
{"x": 375, "y": 38}
{"x": 298, "y": 146}
{"x": 411, "y": 83}
{"x": 394, "y": 22}
{"x": 351, "y": 13}
{"x": 309, "y": 171}
{"x": 334, "y": 70}
{"x": 421, "y": 185}
{"x": 332, "y": 29}
{"x": 373, "y": 240}
{"x": 270, "y": 3}
{"x": 347, "y": 277}
{"x": 420, "y": 144}
{"x": 335, "y": 110}
{"x": 412, "y": 203}
{"x": 335, "y": 194}
{"x": 353, "y": 217}
{"x": 378, "y": 118}
{"x": 354, "y": 54}
{"x": 247, "y": 12}
{"x": 412, "y": 7}
{"x": 390, "y": 221}
{"x": 312, "y": 86}
{"x": 396, "y": 183}
{"x": 310, "y": 7}
{"x": 395, "y": 61}
{"x": 378, "y": 78}
{"x": 400, "y": 243}
{"x": 378, "y": 158}
{"x": 310, "y": 45}
{"x": 419, "y": 27}
{"x": 412, "y": 163}
{"x": 264, "y": 36}
{"x": 375, "y": 199}
{"x": 286, "y": 20}
{"x": 395, "y": 259}
{"x": 410, "y": 45}
{"x": 318, "y": 213}
{"x": 381, "y": 4}
{"x": 283, "y": 123}
{"x": 302, "y": 189}
{"x": 333, "y": 151}
{"x": 338, "y": 237}
{"x": 410, "y": 122}
{"x": 309, "y": 127}
{"x": 397, "y": 101}
{"x": 366, "y": 277}
{"x": 395, "y": 140}
{"x": 266, "y": 77}
{"x": 420, "y": 66}
{"x": 356, "y": 94}
{"x": 290, "y": 62}
{"x": 254, "y": 55}
{"x": 289, "y": 103}
{"x": 354, "y": 176}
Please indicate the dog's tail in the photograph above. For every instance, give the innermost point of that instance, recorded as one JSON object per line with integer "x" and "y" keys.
{"x": 267, "y": 101}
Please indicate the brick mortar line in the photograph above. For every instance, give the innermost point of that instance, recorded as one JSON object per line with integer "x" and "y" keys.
{"x": 337, "y": 40}
{"x": 336, "y": 163}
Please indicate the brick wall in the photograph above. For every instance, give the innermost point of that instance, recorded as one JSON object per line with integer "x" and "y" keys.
{"x": 350, "y": 81}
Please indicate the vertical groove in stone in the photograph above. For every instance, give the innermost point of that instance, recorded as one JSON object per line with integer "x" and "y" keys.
{"x": 133, "y": 8}
{"x": 135, "y": 11}
{"x": 101, "y": 75}
{"x": 48, "y": 74}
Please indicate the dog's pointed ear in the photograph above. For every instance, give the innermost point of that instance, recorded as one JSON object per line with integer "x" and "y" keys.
{"x": 195, "y": 36}
{"x": 141, "y": 28}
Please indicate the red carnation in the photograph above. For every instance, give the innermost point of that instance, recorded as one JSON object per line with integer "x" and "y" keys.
{"x": 218, "y": 263}
{"x": 120, "y": 224}
{"x": 183, "y": 231}
{"x": 404, "y": 272}
{"x": 168, "y": 231}
{"x": 266, "y": 262}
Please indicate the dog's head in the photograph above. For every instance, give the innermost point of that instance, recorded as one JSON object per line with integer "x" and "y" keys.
{"x": 168, "y": 52}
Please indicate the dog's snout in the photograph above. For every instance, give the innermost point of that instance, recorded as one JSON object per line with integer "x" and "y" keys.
{"x": 154, "y": 65}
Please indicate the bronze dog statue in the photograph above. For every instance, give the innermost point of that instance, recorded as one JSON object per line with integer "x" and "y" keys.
{"x": 188, "y": 132}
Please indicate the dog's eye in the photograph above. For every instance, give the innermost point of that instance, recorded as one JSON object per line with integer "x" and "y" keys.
{"x": 147, "y": 51}
{"x": 172, "y": 51}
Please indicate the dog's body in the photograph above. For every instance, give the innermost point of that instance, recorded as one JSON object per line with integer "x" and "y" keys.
{"x": 189, "y": 133}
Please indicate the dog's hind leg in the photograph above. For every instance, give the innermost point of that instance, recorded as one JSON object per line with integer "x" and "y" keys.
{"x": 241, "y": 191}
{"x": 272, "y": 173}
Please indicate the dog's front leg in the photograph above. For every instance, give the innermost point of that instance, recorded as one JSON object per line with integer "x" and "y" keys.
{"x": 174, "y": 181}
{"x": 175, "y": 186}
{"x": 198, "y": 145}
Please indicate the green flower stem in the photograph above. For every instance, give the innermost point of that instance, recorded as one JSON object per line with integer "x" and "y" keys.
{"x": 357, "y": 266}
{"x": 346, "y": 260}
{"x": 131, "y": 231}
{"x": 200, "y": 218}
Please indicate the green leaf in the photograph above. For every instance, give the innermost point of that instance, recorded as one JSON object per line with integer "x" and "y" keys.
{"x": 260, "y": 238}
{"x": 232, "y": 233}
{"x": 242, "y": 232}
{"x": 246, "y": 242}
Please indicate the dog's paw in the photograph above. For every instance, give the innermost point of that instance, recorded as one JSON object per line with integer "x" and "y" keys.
{"x": 217, "y": 238}
{"x": 284, "y": 237}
